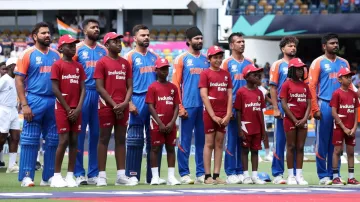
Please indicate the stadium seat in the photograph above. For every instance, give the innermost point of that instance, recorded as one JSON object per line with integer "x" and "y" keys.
{"x": 322, "y": 6}
{"x": 296, "y": 9}
{"x": 281, "y": 3}
{"x": 171, "y": 37}
{"x": 314, "y": 9}
{"x": 278, "y": 8}
{"x": 279, "y": 12}
{"x": 345, "y": 7}
{"x": 253, "y": 2}
{"x": 242, "y": 10}
{"x": 272, "y": 2}
{"x": 304, "y": 9}
{"x": 357, "y": 6}
{"x": 287, "y": 9}
{"x": 259, "y": 10}
{"x": 324, "y": 12}
{"x": 331, "y": 8}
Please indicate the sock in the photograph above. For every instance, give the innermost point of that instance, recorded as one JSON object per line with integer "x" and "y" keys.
{"x": 102, "y": 174}
{"x": 216, "y": 175}
{"x": 335, "y": 173}
{"x": 254, "y": 174}
{"x": 246, "y": 174}
{"x": 351, "y": 173}
{"x": 291, "y": 172}
{"x": 1, "y": 156}
{"x": 267, "y": 151}
{"x": 155, "y": 172}
{"x": 298, "y": 173}
{"x": 57, "y": 174}
{"x": 120, "y": 172}
{"x": 38, "y": 157}
{"x": 70, "y": 174}
{"x": 12, "y": 159}
{"x": 207, "y": 176}
{"x": 171, "y": 172}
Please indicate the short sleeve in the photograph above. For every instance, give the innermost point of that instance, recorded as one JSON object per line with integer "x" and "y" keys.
{"x": 128, "y": 70}
{"x": 238, "y": 100}
{"x": 356, "y": 104}
{"x": 82, "y": 73}
{"x": 230, "y": 85}
{"x": 308, "y": 93}
{"x": 262, "y": 100}
{"x": 55, "y": 71}
{"x": 150, "y": 95}
{"x": 176, "y": 98}
{"x": 203, "y": 83}
{"x": 284, "y": 90}
{"x": 99, "y": 70}
{"x": 334, "y": 102}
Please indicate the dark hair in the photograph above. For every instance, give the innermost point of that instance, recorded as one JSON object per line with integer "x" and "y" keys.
{"x": 87, "y": 21}
{"x": 239, "y": 34}
{"x": 2, "y": 64}
{"x": 292, "y": 73}
{"x": 328, "y": 36}
{"x": 136, "y": 28}
{"x": 37, "y": 28}
{"x": 287, "y": 40}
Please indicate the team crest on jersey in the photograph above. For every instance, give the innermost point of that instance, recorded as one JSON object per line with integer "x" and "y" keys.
{"x": 85, "y": 55}
{"x": 138, "y": 61}
{"x": 353, "y": 100}
{"x": 100, "y": 54}
{"x": 305, "y": 90}
{"x": 77, "y": 70}
{"x": 38, "y": 60}
{"x": 153, "y": 59}
{"x": 327, "y": 67}
{"x": 226, "y": 78}
{"x": 54, "y": 59}
{"x": 259, "y": 98}
{"x": 172, "y": 91}
{"x": 285, "y": 70}
{"x": 233, "y": 68}
{"x": 189, "y": 62}
{"x": 123, "y": 66}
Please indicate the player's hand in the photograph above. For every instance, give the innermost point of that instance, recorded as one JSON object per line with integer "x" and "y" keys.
{"x": 120, "y": 107}
{"x": 217, "y": 119}
{"x": 74, "y": 114}
{"x": 242, "y": 135}
{"x": 28, "y": 115}
{"x": 277, "y": 114}
{"x": 353, "y": 132}
{"x": 225, "y": 120}
{"x": 301, "y": 123}
{"x": 169, "y": 127}
{"x": 263, "y": 136}
{"x": 133, "y": 109}
{"x": 162, "y": 128}
{"x": 347, "y": 131}
{"x": 317, "y": 115}
{"x": 183, "y": 114}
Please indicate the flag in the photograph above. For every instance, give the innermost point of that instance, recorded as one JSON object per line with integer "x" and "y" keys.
{"x": 66, "y": 29}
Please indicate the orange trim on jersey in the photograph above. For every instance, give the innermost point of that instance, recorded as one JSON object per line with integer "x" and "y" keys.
{"x": 177, "y": 76}
{"x": 314, "y": 73}
{"x": 22, "y": 65}
{"x": 274, "y": 72}
{"x": 128, "y": 57}
{"x": 78, "y": 46}
{"x": 57, "y": 52}
{"x": 225, "y": 64}
{"x": 248, "y": 59}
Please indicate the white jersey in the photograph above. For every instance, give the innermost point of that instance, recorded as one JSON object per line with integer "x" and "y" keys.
{"x": 8, "y": 95}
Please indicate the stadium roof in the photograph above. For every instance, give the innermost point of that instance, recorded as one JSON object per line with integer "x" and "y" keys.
{"x": 104, "y": 4}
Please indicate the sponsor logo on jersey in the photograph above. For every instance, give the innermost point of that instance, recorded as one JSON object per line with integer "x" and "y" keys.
{"x": 85, "y": 55}
{"x": 38, "y": 60}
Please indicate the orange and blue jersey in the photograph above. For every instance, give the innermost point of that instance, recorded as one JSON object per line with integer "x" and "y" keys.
{"x": 323, "y": 79}
{"x": 88, "y": 56}
{"x": 278, "y": 74}
{"x": 235, "y": 68}
{"x": 143, "y": 69}
{"x": 186, "y": 77}
{"x": 35, "y": 66}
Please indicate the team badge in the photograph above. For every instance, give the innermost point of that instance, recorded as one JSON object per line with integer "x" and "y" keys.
{"x": 85, "y": 55}
{"x": 189, "y": 62}
{"x": 100, "y": 54}
{"x": 172, "y": 91}
{"x": 123, "y": 66}
{"x": 234, "y": 68}
{"x": 285, "y": 70}
{"x": 226, "y": 78}
{"x": 259, "y": 98}
{"x": 353, "y": 100}
{"x": 77, "y": 70}
{"x": 305, "y": 90}
{"x": 327, "y": 67}
{"x": 138, "y": 61}
{"x": 38, "y": 60}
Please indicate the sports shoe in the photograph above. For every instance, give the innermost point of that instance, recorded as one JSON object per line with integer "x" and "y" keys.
{"x": 325, "y": 181}
{"x": 46, "y": 183}
{"x": 219, "y": 181}
{"x": 172, "y": 181}
{"x": 2, "y": 164}
{"x": 38, "y": 166}
{"x": 301, "y": 181}
{"x": 92, "y": 180}
{"x": 125, "y": 180}
{"x": 337, "y": 182}
{"x": 134, "y": 179}
{"x": 162, "y": 181}
{"x": 232, "y": 179}
{"x": 200, "y": 180}
{"x": 27, "y": 182}
{"x": 81, "y": 180}
{"x": 209, "y": 181}
{"x": 186, "y": 179}
{"x": 101, "y": 181}
{"x": 268, "y": 158}
{"x": 58, "y": 182}
{"x": 248, "y": 180}
{"x": 260, "y": 159}
{"x": 353, "y": 181}
{"x": 241, "y": 178}
{"x": 155, "y": 181}
{"x": 257, "y": 180}
{"x": 13, "y": 169}
{"x": 279, "y": 180}
{"x": 70, "y": 182}
{"x": 291, "y": 180}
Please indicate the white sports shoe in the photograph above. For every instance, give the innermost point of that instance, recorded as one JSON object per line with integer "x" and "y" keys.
{"x": 241, "y": 178}
{"x": 134, "y": 179}
{"x": 291, "y": 180}
{"x": 92, "y": 180}
{"x": 247, "y": 180}
{"x": 200, "y": 180}
{"x": 81, "y": 180}
{"x": 260, "y": 159}
{"x": 154, "y": 181}
{"x": 186, "y": 179}
{"x": 101, "y": 181}
{"x": 162, "y": 181}
{"x": 279, "y": 180}
{"x": 46, "y": 183}
{"x": 172, "y": 181}
{"x": 125, "y": 180}
{"x": 232, "y": 179}
{"x": 268, "y": 158}
{"x": 58, "y": 182}
{"x": 325, "y": 181}
{"x": 27, "y": 182}
{"x": 257, "y": 180}
{"x": 301, "y": 181}
{"x": 70, "y": 181}
{"x": 13, "y": 169}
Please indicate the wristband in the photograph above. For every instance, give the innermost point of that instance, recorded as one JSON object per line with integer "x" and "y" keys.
{"x": 24, "y": 105}
{"x": 339, "y": 122}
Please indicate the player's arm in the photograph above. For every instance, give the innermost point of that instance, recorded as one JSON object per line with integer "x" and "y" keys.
{"x": 103, "y": 93}
{"x": 129, "y": 89}
{"x": 58, "y": 95}
{"x": 208, "y": 107}
{"x": 177, "y": 80}
{"x": 338, "y": 120}
{"x": 314, "y": 73}
{"x": 238, "y": 120}
{"x": 353, "y": 130}
{"x": 287, "y": 111}
{"x": 2, "y": 84}
{"x": 274, "y": 80}
{"x": 150, "y": 100}
{"x": 262, "y": 122}
{"x": 226, "y": 119}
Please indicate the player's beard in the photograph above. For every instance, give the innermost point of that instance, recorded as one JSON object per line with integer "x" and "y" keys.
{"x": 197, "y": 46}
{"x": 143, "y": 44}
{"x": 93, "y": 37}
{"x": 291, "y": 54}
{"x": 43, "y": 42}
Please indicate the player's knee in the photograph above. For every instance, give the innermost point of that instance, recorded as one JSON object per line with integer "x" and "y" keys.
{"x": 350, "y": 154}
{"x": 254, "y": 152}
{"x": 210, "y": 145}
{"x": 170, "y": 149}
{"x": 73, "y": 143}
{"x": 290, "y": 147}
{"x": 120, "y": 140}
{"x": 300, "y": 149}
{"x": 104, "y": 140}
{"x": 155, "y": 149}
{"x": 338, "y": 151}
{"x": 63, "y": 142}
{"x": 3, "y": 139}
{"x": 245, "y": 150}
{"x": 15, "y": 139}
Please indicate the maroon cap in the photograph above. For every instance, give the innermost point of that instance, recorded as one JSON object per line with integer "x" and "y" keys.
{"x": 213, "y": 50}
{"x": 111, "y": 35}
{"x": 67, "y": 39}
{"x": 296, "y": 62}
{"x": 250, "y": 68}
{"x": 161, "y": 62}
{"x": 345, "y": 71}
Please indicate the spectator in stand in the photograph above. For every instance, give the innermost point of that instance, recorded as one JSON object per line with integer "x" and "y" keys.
{"x": 128, "y": 40}
{"x": 267, "y": 70}
{"x": 29, "y": 41}
{"x": 255, "y": 64}
{"x": 6, "y": 45}
{"x": 102, "y": 23}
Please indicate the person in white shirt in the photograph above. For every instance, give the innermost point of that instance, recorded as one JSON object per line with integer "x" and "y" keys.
{"x": 9, "y": 118}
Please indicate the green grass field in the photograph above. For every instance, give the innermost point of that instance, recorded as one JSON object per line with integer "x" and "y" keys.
{"x": 9, "y": 182}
